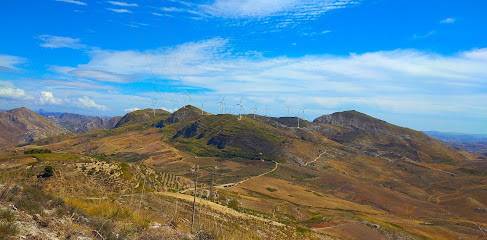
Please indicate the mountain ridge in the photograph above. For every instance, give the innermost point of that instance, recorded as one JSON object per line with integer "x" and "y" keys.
{"x": 21, "y": 125}
{"x": 78, "y": 123}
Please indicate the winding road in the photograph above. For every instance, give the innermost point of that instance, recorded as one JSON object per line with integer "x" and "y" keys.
{"x": 229, "y": 185}
{"x": 316, "y": 159}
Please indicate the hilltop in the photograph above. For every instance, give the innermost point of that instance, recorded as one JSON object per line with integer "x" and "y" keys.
{"x": 379, "y": 138}
{"x": 21, "y": 125}
{"x": 142, "y": 117}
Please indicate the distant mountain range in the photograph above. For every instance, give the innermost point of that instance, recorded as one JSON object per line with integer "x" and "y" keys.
{"x": 79, "y": 123}
{"x": 476, "y": 143}
{"x": 23, "y": 125}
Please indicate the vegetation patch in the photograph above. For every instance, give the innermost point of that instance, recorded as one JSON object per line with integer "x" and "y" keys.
{"x": 56, "y": 157}
{"x": 7, "y": 224}
{"x": 37, "y": 151}
{"x": 107, "y": 209}
{"x": 271, "y": 189}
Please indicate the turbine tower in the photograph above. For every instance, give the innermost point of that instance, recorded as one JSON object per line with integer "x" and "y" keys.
{"x": 241, "y": 106}
{"x": 222, "y": 105}
{"x": 202, "y": 107}
{"x": 299, "y": 118}
{"x": 254, "y": 112}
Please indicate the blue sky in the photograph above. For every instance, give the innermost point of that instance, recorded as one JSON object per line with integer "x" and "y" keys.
{"x": 420, "y": 64}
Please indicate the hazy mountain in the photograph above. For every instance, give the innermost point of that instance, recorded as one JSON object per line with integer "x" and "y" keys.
{"x": 22, "y": 125}
{"x": 379, "y": 138}
{"x": 79, "y": 123}
{"x": 475, "y": 143}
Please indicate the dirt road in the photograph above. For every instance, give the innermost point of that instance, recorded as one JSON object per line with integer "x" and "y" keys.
{"x": 316, "y": 159}
{"x": 229, "y": 185}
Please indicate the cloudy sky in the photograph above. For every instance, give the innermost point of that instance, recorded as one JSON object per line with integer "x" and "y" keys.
{"x": 420, "y": 64}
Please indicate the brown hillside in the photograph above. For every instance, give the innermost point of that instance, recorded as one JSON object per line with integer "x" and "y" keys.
{"x": 379, "y": 138}
{"x": 22, "y": 125}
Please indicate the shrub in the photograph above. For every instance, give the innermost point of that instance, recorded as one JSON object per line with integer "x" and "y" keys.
{"x": 37, "y": 151}
{"x": 271, "y": 189}
{"x": 234, "y": 204}
{"x": 6, "y": 216}
{"x": 47, "y": 173}
{"x": 201, "y": 235}
{"x": 7, "y": 224}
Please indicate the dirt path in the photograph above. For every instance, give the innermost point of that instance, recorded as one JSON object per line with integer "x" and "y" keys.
{"x": 229, "y": 185}
{"x": 316, "y": 159}
{"x": 429, "y": 167}
{"x": 217, "y": 207}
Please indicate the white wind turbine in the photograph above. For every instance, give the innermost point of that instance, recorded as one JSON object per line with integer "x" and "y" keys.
{"x": 202, "y": 108}
{"x": 222, "y": 105}
{"x": 300, "y": 118}
{"x": 254, "y": 111}
{"x": 241, "y": 106}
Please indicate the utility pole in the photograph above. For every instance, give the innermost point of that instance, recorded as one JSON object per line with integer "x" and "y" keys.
{"x": 195, "y": 172}
{"x": 212, "y": 182}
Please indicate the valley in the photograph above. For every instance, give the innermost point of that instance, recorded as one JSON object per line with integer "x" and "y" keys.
{"x": 342, "y": 176}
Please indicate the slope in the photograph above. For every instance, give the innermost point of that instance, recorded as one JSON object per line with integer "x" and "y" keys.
{"x": 22, "y": 125}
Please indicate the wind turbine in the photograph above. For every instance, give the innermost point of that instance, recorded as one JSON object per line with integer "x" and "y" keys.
{"x": 241, "y": 106}
{"x": 254, "y": 111}
{"x": 288, "y": 110}
{"x": 299, "y": 118}
{"x": 222, "y": 105}
{"x": 202, "y": 107}
{"x": 154, "y": 106}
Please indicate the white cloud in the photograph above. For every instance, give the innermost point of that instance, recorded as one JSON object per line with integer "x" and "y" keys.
{"x": 131, "y": 109}
{"x": 89, "y": 73}
{"x": 119, "y": 10}
{"x": 424, "y": 35}
{"x": 449, "y": 20}
{"x": 314, "y": 34}
{"x": 49, "y": 41}
{"x": 9, "y": 91}
{"x": 76, "y": 2}
{"x": 87, "y": 102}
{"x": 10, "y": 63}
{"x": 280, "y": 13}
{"x": 289, "y": 12}
{"x": 213, "y": 65}
{"x": 47, "y": 98}
{"x": 249, "y": 8}
{"x": 123, "y": 4}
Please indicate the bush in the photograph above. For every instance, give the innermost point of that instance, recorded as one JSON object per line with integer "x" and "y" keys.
{"x": 7, "y": 224}
{"x": 6, "y": 216}
{"x": 47, "y": 173}
{"x": 271, "y": 189}
{"x": 37, "y": 151}
{"x": 234, "y": 204}
{"x": 204, "y": 236}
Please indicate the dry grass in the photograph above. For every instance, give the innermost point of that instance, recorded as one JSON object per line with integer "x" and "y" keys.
{"x": 107, "y": 209}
